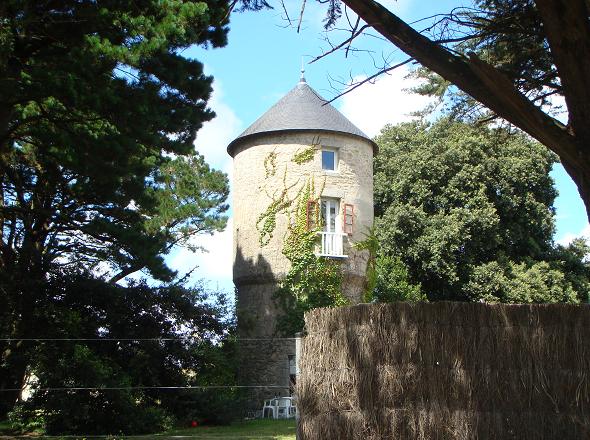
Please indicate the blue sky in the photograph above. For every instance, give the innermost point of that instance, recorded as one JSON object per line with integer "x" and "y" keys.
{"x": 262, "y": 62}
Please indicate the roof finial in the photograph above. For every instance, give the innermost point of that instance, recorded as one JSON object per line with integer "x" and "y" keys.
{"x": 302, "y": 79}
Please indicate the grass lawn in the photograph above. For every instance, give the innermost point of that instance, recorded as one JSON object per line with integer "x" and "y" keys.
{"x": 266, "y": 429}
{"x": 4, "y": 426}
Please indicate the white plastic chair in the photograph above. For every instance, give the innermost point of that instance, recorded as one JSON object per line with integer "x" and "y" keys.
{"x": 283, "y": 407}
{"x": 270, "y": 404}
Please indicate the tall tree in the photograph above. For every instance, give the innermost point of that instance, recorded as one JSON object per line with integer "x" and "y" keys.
{"x": 121, "y": 343}
{"x": 98, "y": 117}
{"x": 95, "y": 98}
{"x": 547, "y": 46}
{"x": 469, "y": 210}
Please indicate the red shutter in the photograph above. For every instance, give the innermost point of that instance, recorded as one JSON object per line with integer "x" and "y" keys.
{"x": 312, "y": 214}
{"x": 348, "y": 216}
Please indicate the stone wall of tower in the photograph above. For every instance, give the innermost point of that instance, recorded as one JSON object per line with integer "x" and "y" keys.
{"x": 253, "y": 191}
{"x": 257, "y": 269}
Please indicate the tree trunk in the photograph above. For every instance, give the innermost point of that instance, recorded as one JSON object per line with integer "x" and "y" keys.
{"x": 493, "y": 89}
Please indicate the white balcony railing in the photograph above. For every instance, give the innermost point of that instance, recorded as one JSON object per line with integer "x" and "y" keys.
{"x": 332, "y": 244}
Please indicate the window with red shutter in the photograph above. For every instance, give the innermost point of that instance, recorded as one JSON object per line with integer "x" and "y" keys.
{"x": 348, "y": 224}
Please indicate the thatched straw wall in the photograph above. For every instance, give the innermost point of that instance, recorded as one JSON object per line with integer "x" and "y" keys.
{"x": 446, "y": 371}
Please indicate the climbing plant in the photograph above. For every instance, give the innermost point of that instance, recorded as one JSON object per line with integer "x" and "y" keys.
{"x": 307, "y": 154}
{"x": 371, "y": 245}
{"x": 280, "y": 203}
{"x": 304, "y": 156}
{"x": 311, "y": 281}
{"x": 270, "y": 164}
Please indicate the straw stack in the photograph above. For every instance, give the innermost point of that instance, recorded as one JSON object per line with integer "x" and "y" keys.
{"x": 446, "y": 371}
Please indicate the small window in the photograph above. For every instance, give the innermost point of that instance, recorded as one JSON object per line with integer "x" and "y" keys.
{"x": 329, "y": 160}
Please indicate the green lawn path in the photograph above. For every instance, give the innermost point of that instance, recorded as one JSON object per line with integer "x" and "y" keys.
{"x": 266, "y": 429}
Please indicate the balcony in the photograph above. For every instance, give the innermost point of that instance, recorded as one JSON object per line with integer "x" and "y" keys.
{"x": 332, "y": 244}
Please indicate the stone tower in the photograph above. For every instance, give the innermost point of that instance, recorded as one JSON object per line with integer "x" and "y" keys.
{"x": 264, "y": 167}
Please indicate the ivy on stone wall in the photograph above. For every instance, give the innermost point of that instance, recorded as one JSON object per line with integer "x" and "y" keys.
{"x": 304, "y": 156}
{"x": 280, "y": 203}
{"x": 312, "y": 281}
{"x": 270, "y": 164}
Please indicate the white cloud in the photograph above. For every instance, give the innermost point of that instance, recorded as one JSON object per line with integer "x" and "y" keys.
{"x": 215, "y": 265}
{"x": 371, "y": 106}
{"x": 570, "y": 236}
{"x": 213, "y": 138}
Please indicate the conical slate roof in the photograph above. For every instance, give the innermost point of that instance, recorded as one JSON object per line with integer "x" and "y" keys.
{"x": 302, "y": 109}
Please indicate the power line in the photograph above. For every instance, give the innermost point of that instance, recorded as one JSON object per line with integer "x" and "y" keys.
{"x": 132, "y": 339}
{"x": 198, "y": 387}
{"x": 201, "y": 435}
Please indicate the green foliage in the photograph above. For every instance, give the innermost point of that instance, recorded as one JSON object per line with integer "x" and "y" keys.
{"x": 312, "y": 281}
{"x": 525, "y": 282}
{"x": 95, "y": 100}
{"x": 77, "y": 306}
{"x": 372, "y": 246}
{"x": 270, "y": 164}
{"x": 267, "y": 220}
{"x": 189, "y": 199}
{"x": 304, "y": 156}
{"x": 393, "y": 282}
{"x": 98, "y": 170}
{"x": 23, "y": 420}
{"x": 467, "y": 208}
{"x": 387, "y": 277}
{"x": 219, "y": 367}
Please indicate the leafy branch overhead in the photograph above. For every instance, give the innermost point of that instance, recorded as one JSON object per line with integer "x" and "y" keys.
{"x": 510, "y": 56}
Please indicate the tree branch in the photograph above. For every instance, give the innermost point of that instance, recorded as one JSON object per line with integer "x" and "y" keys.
{"x": 484, "y": 83}
{"x": 369, "y": 79}
{"x": 568, "y": 32}
{"x": 341, "y": 45}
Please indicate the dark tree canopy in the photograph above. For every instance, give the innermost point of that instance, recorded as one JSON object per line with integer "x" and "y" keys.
{"x": 95, "y": 97}
{"x": 98, "y": 171}
{"x": 165, "y": 334}
{"x": 462, "y": 205}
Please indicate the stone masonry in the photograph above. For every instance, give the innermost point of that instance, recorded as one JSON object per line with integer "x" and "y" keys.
{"x": 258, "y": 269}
